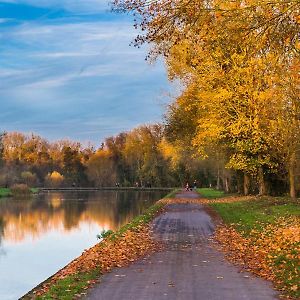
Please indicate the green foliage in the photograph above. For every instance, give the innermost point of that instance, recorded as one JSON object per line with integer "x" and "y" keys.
{"x": 7, "y": 192}
{"x": 104, "y": 234}
{"x": 34, "y": 190}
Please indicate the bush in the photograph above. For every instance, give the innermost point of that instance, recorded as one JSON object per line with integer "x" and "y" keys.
{"x": 20, "y": 190}
{"x": 29, "y": 178}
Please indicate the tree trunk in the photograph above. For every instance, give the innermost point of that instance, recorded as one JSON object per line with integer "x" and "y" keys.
{"x": 218, "y": 179}
{"x": 292, "y": 176}
{"x": 261, "y": 182}
{"x": 226, "y": 184}
{"x": 226, "y": 181}
{"x": 246, "y": 184}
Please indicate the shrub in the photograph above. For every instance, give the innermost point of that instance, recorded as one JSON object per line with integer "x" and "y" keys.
{"x": 29, "y": 178}
{"x": 20, "y": 190}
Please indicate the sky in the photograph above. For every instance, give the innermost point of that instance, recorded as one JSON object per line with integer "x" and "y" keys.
{"x": 67, "y": 70}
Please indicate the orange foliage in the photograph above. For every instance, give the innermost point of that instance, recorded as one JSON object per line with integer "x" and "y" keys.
{"x": 273, "y": 253}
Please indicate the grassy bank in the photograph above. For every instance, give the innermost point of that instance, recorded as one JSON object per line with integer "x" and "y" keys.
{"x": 6, "y": 192}
{"x": 210, "y": 193}
{"x": 117, "y": 249}
{"x": 34, "y": 190}
{"x": 263, "y": 235}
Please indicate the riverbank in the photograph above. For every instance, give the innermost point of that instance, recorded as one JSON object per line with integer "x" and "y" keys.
{"x": 135, "y": 240}
{"x": 6, "y": 192}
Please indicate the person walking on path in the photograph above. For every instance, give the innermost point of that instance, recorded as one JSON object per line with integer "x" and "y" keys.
{"x": 187, "y": 187}
{"x": 195, "y": 185}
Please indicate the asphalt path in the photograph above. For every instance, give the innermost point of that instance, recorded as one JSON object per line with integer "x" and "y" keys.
{"x": 189, "y": 268}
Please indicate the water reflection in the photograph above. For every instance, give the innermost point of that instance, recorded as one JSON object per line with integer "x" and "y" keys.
{"x": 57, "y": 227}
{"x": 20, "y": 219}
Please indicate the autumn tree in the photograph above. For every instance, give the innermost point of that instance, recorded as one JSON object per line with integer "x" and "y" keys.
{"x": 115, "y": 145}
{"x": 54, "y": 179}
{"x": 227, "y": 56}
{"x": 74, "y": 170}
{"x": 101, "y": 169}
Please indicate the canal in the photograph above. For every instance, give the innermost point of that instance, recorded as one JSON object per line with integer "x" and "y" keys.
{"x": 40, "y": 235}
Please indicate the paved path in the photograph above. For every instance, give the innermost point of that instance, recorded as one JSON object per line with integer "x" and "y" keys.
{"x": 188, "y": 269}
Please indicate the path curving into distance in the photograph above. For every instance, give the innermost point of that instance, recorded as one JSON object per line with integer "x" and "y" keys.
{"x": 188, "y": 269}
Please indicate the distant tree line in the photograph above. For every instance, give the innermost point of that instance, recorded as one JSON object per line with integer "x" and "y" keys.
{"x": 140, "y": 157}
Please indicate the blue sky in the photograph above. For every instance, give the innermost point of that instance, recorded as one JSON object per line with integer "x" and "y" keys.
{"x": 67, "y": 71}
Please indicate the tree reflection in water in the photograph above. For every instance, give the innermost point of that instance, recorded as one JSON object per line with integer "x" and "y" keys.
{"x": 30, "y": 218}
{"x": 42, "y": 234}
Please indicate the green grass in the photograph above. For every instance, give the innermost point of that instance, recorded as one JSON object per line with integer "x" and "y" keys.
{"x": 211, "y": 193}
{"x": 253, "y": 214}
{"x": 5, "y": 192}
{"x": 34, "y": 190}
{"x": 71, "y": 286}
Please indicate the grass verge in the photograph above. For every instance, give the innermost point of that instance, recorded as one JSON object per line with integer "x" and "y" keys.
{"x": 211, "y": 193}
{"x": 71, "y": 286}
{"x": 263, "y": 234}
{"x": 256, "y": 214}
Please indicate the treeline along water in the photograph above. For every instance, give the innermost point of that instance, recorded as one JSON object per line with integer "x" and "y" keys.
{"x": 40, "y": 235}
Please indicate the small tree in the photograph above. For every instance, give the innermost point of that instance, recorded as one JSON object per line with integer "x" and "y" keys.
{"x": 54, "y": 179}
{"x": 29, "y": 178}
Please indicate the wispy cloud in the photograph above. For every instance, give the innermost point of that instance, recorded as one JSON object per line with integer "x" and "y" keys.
{"x": 76, "y": 77}
{"x": 5, "y": 20}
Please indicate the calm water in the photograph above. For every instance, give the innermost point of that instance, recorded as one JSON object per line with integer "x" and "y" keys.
{"x": 39, "y": 236}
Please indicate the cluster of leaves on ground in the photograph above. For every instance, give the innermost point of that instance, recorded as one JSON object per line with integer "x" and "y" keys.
{"x": 266, "y": 241}
{"x": 230, "y": 199}
{"x": 117, "y": 250}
